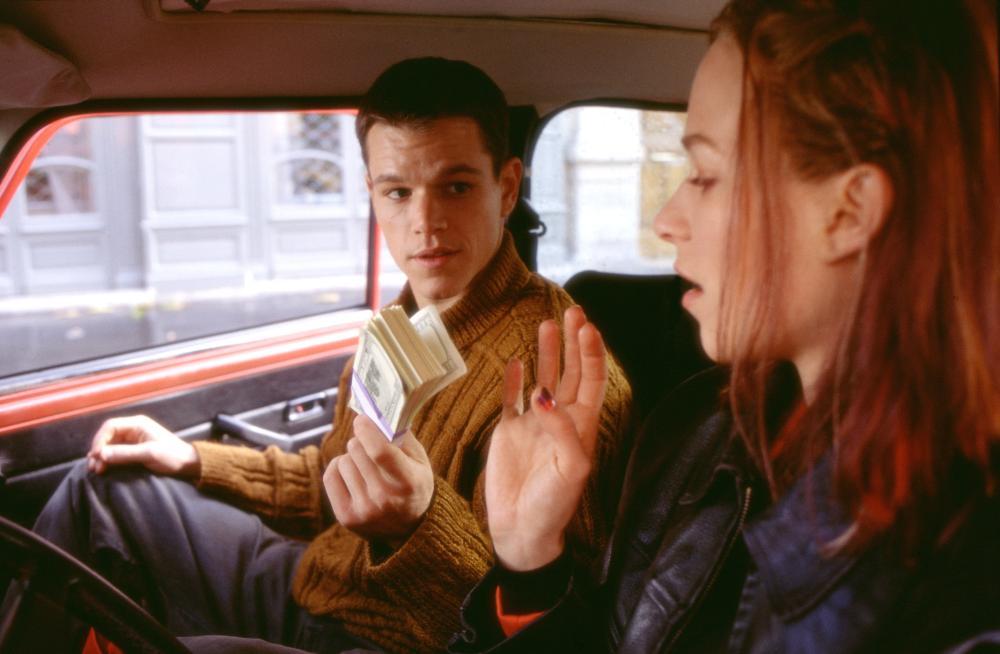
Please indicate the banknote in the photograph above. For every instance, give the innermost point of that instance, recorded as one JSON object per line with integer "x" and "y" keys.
{"x": 401, "y": 363}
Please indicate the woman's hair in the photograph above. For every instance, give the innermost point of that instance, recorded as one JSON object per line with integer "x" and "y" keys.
{"x": 910, "y": 406}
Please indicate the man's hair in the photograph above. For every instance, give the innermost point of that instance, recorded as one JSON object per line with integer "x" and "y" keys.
{"x": 415, "y": 92}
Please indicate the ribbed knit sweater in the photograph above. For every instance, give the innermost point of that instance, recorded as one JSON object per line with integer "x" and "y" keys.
{"x": 408, "y": 600}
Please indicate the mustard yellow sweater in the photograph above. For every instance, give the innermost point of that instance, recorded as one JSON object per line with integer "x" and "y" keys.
{"x": 409, "y": 600}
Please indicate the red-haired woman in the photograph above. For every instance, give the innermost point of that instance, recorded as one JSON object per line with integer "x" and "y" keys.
{"x": 835, "y": 489}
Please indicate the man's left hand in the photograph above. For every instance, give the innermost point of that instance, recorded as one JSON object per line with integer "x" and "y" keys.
{"x": 378, "y": 490}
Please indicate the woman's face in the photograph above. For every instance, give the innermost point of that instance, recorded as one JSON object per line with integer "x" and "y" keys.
{"x": 697, "y": 216}
{"x": 815, "y": 287}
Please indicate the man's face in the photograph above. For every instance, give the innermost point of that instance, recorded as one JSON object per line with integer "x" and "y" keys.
{"x": 438, "y": 203}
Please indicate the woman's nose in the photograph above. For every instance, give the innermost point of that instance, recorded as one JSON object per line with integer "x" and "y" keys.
{"x": 670, "y": 224}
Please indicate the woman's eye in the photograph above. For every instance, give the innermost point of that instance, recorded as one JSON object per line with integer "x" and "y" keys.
{"x": 701, "y": 182}
{"x": 397, "y": 193}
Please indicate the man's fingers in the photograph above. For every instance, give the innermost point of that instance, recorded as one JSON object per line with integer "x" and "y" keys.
{"x": 104, "y": 434}
{"x": 573, "y": 320}
{"x": 513, "y": 389}
{"x": 125, "y": 454}
{"x": 547, "y": 373}
{"x": 337, "y": 492}
{"x": 383, "y": 454}
{"x": 369, "y": 471}
{"x": 411, "y": 447}
{"x": 355, "y": 483}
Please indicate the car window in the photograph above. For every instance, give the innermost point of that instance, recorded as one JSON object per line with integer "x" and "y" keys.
{"x": 598, "y": 175}
{"x": 134, "y": 231}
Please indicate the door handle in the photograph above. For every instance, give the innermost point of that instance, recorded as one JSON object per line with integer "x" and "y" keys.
{"x": 305, "y": 407}
{"x": 234, "y": 426}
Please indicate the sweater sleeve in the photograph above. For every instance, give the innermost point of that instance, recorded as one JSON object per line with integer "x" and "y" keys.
{"x": 285, "y": 489}
{"x": 282, "y": 487}
{"x": 445, "y": 557}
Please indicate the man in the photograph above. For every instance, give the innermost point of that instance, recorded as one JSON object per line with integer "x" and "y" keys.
{"x": 409, "y": 539}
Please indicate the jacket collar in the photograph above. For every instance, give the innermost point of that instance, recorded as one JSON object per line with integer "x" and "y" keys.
{"x": 788, "y": 542}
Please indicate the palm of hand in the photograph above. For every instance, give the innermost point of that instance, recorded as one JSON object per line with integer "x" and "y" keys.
{"x": 528, "y": 469}
{"x": 540, "y": 459}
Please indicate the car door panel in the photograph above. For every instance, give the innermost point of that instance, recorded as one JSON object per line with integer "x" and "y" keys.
{"x": 37, "y": 454}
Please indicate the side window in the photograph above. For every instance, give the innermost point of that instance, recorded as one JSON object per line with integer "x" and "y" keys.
{"x": 598, "y": 177}
{"x": 135, "y": 231}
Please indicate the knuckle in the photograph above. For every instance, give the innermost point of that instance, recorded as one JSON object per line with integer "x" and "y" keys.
{"x": 382, "y": 457}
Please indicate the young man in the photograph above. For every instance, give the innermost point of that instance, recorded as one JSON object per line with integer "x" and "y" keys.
{"x": 409, "y": 539}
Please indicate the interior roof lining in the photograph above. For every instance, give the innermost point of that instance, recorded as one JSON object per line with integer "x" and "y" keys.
{"x": 376, "y": 18}
{"x": 633, "y": 13}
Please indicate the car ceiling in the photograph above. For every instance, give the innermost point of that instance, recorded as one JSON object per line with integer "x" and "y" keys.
{"x": 547, "y": 56}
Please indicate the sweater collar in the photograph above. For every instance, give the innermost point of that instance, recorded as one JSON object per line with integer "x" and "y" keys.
{"x": 487, "y": 299}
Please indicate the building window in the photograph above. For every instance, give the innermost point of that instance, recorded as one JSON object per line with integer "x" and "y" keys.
{"x": 598, "y": 177}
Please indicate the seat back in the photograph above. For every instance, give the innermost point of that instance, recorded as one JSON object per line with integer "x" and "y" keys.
{"x": 653, "y": 338}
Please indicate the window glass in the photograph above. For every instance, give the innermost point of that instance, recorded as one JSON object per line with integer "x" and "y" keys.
{"x": 136, "y": 231}
{"x": 598, "y": 177}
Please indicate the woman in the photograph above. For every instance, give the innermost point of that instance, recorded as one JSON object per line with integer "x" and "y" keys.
{"x": 835, "y": 489}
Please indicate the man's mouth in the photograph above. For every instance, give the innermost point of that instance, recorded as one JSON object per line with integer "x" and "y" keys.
{"x": 433, "y": 257}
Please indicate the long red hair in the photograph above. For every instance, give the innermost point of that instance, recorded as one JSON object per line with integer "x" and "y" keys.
{"x": 910, "y": 405}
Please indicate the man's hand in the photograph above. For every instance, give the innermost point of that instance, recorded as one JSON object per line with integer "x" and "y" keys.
{"x": 141, "y": 440}
{"x": 377, "y": 490}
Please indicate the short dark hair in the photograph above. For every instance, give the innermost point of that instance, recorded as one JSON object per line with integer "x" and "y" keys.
{"x": 415, "y": 92}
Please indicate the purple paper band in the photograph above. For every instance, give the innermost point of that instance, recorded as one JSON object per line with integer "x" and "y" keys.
{"x": 370, "y": 408}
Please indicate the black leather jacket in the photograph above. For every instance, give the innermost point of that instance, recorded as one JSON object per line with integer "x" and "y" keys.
{"x": 699, "y": 562}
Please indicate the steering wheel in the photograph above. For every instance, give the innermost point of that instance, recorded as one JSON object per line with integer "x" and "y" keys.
{"x": 40, "y": 570}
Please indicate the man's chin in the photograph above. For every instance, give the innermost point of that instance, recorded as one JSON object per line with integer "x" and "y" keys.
{"x": 437, "y": 294}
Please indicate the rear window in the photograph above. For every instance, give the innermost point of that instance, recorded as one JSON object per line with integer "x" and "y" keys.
{"x": 130, "y": 232}
{"x": 598, "y": 177}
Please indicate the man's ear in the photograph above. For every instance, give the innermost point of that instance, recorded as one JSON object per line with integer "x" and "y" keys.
{"x": 862, "y": 198}
{"x": 368, "y": 182}
{"x": 510, "y": 184}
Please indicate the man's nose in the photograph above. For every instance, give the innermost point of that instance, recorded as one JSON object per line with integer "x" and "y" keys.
{"x": 428, "y": 216}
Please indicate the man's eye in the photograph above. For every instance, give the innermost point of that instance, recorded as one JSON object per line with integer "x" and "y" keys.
{"x": 459, "y": 188}
{"x": 397, "y": 193}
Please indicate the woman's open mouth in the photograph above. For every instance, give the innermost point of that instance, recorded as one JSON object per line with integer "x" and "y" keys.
{"x": 692, "y": 292}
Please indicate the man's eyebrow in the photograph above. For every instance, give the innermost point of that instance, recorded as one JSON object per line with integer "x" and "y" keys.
{"x": 457, "y": 169}
{"x": 387, "y": 177}
{"x": 691, "y": 140}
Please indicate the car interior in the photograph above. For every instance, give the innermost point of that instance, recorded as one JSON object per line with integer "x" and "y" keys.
{"x": 272, "y": 383}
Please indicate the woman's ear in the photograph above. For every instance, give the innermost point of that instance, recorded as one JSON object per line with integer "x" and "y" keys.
{"x": 862, "y": 198}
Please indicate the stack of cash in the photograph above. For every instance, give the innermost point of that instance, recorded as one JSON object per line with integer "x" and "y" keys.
{"x": 401, "y": 363}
